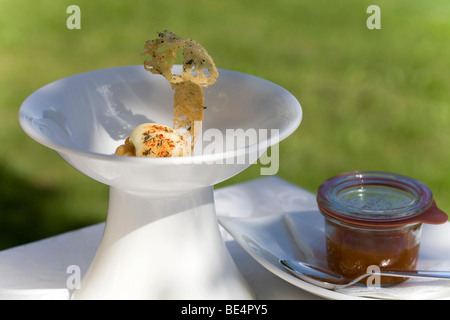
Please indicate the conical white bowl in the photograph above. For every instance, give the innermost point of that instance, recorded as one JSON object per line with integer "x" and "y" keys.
{"x": 161, "y": 239}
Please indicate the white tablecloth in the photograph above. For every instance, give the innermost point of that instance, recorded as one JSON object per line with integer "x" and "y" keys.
{"x": 39, "y": 270}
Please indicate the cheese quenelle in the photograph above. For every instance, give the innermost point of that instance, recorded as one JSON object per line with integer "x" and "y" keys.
{"x": 155, "y": 140}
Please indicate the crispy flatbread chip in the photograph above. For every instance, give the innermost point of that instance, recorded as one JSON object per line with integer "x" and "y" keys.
{"x": 198, "y": 71}
{"x": 188, "y": 104}
{"x": 188, "y": 108}
{"x": 198, "y": 66}
{"x": 163, "y": 52}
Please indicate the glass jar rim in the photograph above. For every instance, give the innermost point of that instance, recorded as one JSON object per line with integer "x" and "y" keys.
{"x": 375, "y": 198}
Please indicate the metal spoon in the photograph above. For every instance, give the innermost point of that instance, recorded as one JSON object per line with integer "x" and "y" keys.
{"x": 325, "y": 278}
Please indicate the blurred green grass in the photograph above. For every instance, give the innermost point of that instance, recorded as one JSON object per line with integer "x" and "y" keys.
{"x": 372, "y": 99}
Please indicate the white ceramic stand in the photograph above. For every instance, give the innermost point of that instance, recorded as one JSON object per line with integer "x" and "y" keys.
{"x": 157, "y": 247}
{"x": 162, "y": 239}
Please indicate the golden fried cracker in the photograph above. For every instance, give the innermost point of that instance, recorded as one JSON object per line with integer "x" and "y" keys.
{"x": 188, "y": 108}
{"x": 163, "y": 52}
{"x": 198, "y": 66}
{"x": 198, "y": 71}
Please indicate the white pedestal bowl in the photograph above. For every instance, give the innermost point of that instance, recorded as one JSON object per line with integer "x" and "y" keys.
{"x": 161, "y": 238}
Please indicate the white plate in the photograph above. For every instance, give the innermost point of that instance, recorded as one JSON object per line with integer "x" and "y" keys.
{"x": 300, "y": 236}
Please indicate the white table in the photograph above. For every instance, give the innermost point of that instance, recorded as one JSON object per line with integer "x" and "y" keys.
{"x": 41, "y": 269}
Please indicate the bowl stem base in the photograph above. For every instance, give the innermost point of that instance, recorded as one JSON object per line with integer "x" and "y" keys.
{"x": 162, "y": 246}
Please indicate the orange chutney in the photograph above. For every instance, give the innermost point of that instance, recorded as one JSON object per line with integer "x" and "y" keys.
{"x": 350, "y": 252}
{"x": 375, "y": 219}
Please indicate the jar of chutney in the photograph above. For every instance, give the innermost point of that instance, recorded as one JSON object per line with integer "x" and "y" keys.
{"x": 375, "y": 219}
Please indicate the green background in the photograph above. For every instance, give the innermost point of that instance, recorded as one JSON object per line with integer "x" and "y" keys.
{"x": 372, "y": 99}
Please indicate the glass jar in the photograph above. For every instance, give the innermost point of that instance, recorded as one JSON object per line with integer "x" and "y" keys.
{"x": 375, "y": 219}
